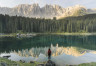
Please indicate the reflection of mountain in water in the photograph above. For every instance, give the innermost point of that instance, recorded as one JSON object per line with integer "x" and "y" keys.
{"x": 35, "y": 52}
{"x": 60, "y": 55}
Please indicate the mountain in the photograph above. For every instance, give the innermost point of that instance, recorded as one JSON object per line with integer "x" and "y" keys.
{"x": 77, "y": 10}
{"x": 48, "y": 11}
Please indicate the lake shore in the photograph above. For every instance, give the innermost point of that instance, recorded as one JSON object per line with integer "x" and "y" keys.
{"x": 34, "y": 34}
{"x": 88, "y": 64}
{"x": 9, "y": 62}
{"x": 68, "y": 33}
{"x": 6, "y": 62}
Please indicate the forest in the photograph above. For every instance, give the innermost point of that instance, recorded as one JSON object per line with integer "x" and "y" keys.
{"x": 72, "y": 24}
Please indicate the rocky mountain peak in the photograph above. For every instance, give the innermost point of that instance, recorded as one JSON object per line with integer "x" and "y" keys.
{"x": 48, "y": 11}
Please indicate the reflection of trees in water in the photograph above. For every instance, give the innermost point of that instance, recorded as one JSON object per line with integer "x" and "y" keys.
{"x": 11, "y": 43}
{"x": 35, "y": 52}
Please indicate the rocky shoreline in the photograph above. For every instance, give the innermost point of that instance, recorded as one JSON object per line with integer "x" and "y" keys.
{"x": 6, "y": 62}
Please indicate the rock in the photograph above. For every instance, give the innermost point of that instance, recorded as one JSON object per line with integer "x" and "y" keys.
{"x": 71, "y": 65}
{"x": 7, "y": 56}
{"x": 50, "y": 63}
{"x": 41, "y": 65}
{"x": 3, "y": 64}
{"x": 31, "y": 61}
{"x": 22, "y": 61}
{"x": 48, "y": 11}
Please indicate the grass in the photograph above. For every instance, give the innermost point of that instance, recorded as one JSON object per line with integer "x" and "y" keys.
{"x": 88, "y": 64}
{"x": 85, "y": 64}
{"x": 12, "y": 63}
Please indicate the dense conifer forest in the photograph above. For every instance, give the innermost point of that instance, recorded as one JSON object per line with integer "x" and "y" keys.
{"x": 14, "y": 24}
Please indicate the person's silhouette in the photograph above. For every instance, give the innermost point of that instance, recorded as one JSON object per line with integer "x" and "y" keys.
{"x": 49, "y": 54}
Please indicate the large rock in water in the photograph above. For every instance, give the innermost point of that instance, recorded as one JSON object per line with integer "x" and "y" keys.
{"x": 50, "y": 63}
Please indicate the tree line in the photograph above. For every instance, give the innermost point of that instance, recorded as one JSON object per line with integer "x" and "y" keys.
{"x": 14, "y": 24}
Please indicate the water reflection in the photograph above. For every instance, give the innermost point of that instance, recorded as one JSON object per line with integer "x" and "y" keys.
{"x": 56, "y": 51}
{"x": 69, "y": 50}
{"x": 60, "y": 55}
{"x": 11, "y": 43}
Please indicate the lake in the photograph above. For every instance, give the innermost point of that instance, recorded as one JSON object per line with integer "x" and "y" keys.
{"x": 66, "y": 49}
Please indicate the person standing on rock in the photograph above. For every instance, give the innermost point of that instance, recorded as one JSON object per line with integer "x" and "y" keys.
{"x": 49, "y": 54}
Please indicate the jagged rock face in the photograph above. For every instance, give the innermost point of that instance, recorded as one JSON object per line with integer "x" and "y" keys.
{"x": 48, "y": 11}
{"x": 52, "y": 11}
{"x": 74, "y": 11}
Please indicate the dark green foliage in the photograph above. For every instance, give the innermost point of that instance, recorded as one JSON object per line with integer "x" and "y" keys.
{"x": 13, "y": 24}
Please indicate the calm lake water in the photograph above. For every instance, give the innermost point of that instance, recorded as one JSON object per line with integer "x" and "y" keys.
{"x": 66, "y": 49}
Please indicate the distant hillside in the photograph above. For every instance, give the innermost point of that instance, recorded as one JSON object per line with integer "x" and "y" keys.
{"x": 48, "y": 11}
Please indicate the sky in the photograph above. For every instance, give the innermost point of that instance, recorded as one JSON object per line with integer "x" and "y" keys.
{"x": 63, "y": 3}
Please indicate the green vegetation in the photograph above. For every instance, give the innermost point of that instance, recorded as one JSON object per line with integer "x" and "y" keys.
{"x": 85, "y": 64}
{"x": 12, "y": 63}
{"x": 15, "y": 24}
{"x": 88, "y": 64}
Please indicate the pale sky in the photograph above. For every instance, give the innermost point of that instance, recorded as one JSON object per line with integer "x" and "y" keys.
{"x": 63, "y": 3}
